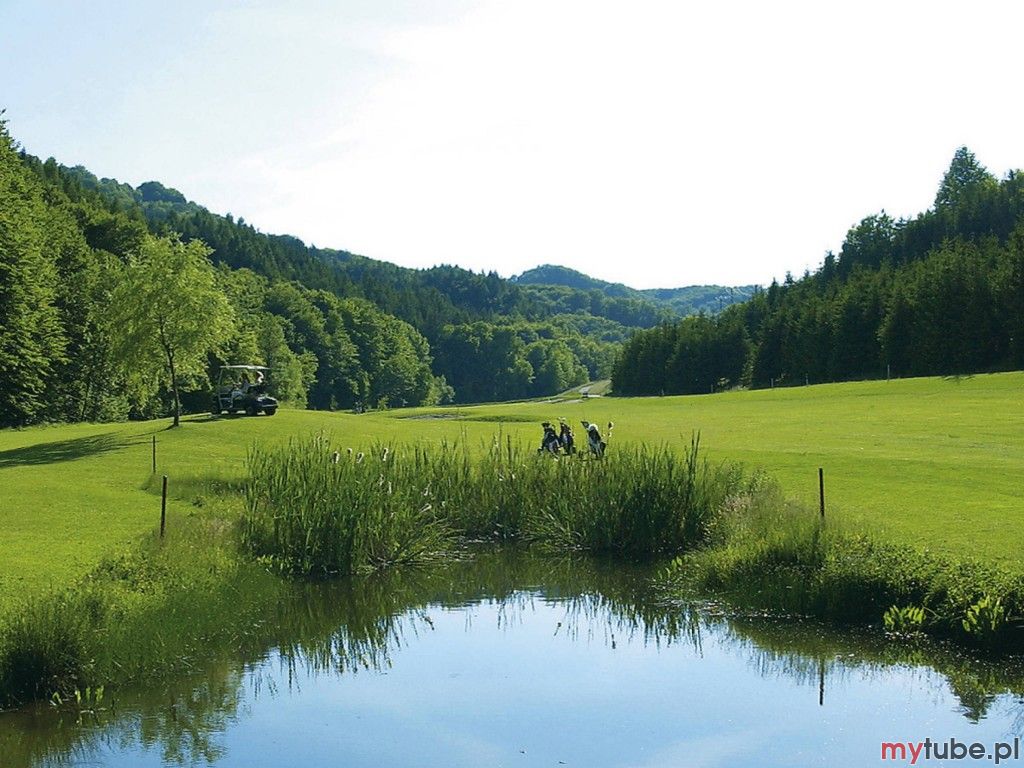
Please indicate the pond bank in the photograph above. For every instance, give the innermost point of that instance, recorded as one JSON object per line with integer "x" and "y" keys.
{"x": 312, "y": 510}
{"x": 537, "y": 658}
{"x": 767, "y": 553}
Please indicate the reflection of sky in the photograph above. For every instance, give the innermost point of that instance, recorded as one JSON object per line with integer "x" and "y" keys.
{"x": 493, "y": 686}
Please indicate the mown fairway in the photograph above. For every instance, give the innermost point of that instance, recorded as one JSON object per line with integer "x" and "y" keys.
{"x": 934, "y": 462}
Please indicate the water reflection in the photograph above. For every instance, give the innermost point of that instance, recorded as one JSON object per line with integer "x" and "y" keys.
{"x": 556, "y": 641}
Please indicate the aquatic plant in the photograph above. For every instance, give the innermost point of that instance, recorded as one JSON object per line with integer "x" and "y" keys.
{"x": 311, "y": 510}
{"x": 307, "y": 513}
{"x": 903, "y": 619}
{"x": 985, "y": 619}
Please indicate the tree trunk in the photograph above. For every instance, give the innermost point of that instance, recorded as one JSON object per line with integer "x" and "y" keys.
{"x": 85, "y": 398}
{"x": 174, "y": 389}
{"x": 174, "y": 375}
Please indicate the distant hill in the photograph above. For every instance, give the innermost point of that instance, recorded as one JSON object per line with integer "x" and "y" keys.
{"x": 688, "y": 300}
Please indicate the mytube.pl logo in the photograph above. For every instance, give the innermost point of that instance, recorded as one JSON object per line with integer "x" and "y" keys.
{"x": 911, "y": 752}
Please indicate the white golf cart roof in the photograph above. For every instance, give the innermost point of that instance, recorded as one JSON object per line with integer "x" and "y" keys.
{"x": 244, "y": 368}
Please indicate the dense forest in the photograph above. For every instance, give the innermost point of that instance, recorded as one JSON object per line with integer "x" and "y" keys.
{"x": 83, "y": 325}
{"x": 80, "y": 256}
{"x": 938, "y": 294}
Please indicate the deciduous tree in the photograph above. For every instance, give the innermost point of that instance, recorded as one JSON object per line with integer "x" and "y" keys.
{"x": 167, "y": 314}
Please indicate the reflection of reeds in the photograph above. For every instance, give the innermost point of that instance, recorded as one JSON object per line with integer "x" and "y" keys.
{"x": 804, "y": 650}
{"x": 311, "y": 514}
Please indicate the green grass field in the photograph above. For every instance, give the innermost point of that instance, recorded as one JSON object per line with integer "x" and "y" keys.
{"x": 932, "y": 462}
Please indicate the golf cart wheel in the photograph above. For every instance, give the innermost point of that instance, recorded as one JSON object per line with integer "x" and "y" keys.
{"x": 251, "y": 410}
{"x": 270, "y": 411}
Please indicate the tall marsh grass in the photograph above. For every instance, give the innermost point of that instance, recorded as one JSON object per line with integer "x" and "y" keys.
{"x": 308, "y": 511}
{"x": 315, "y": 509}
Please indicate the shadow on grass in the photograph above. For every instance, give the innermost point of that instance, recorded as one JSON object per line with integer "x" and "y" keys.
{"x": 64, "y": 450}
{"x": 209, "y": 418}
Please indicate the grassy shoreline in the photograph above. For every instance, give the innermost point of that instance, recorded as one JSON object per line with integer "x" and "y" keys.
{"x": 311, "y": 513}
{"x": 312, "y": 510}
{"x": 767, "y": 553}
{"x": 929, "y": 462}
{"x": 79, "y": 505}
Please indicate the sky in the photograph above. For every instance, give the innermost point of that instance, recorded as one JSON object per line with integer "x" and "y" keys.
{"x": 658, "y": 144}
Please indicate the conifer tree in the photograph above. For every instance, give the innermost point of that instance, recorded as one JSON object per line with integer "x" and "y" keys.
{"x": 32, "y": 341}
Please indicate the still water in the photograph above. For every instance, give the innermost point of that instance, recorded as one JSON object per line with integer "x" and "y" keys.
{"x": 514, "y": 660}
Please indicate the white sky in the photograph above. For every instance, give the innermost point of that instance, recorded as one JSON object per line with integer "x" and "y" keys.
{"x": 653, "y": 143}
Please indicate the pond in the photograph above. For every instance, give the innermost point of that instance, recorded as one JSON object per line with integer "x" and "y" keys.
{"x": 510, "y": 659}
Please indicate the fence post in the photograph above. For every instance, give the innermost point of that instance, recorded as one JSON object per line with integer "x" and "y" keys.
{"x": 154, "y": 454}
{"x": 163, "y": 508}
{"x": 821, "y": 490}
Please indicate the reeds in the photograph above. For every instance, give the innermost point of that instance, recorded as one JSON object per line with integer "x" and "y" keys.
{"x": 308, "y": 511}
{"x": 313, "y": 509}
{"x": 42, "y": 650}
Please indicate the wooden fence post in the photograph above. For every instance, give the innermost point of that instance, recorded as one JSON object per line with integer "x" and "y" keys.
{"x": 821, "y": 490}
{"x": 163, "y": 508}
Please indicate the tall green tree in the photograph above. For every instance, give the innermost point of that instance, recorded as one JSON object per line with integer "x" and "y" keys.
{"x": 167, "y": 314}
{"x": 291, "y": 375}
{"x": 963, "y": 181}
{"x": 32, "y": 339}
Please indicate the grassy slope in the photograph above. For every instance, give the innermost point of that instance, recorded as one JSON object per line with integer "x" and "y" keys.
{"x": 934, "y": 462}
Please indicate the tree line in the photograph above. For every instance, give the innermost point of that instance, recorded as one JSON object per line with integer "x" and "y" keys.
{"x": 939, "y": 294}
{"x": 120, "y": 302}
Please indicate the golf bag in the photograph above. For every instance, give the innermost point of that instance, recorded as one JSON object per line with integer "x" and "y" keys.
{"x": 567, "y": 440}
{"x": 549, "y": 442}
{"x": 595, "y": 442}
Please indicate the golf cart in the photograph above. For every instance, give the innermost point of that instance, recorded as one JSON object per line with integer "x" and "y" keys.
{"x": 242, "y": 388}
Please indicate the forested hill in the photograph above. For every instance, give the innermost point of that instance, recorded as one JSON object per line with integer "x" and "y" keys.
{"x": 486, "y": 337}
{"x": 427, "y": 298}
{"x": 940, "y": 293}
{"x": 339, "y": 330}
{"x": 689, "y": 300}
